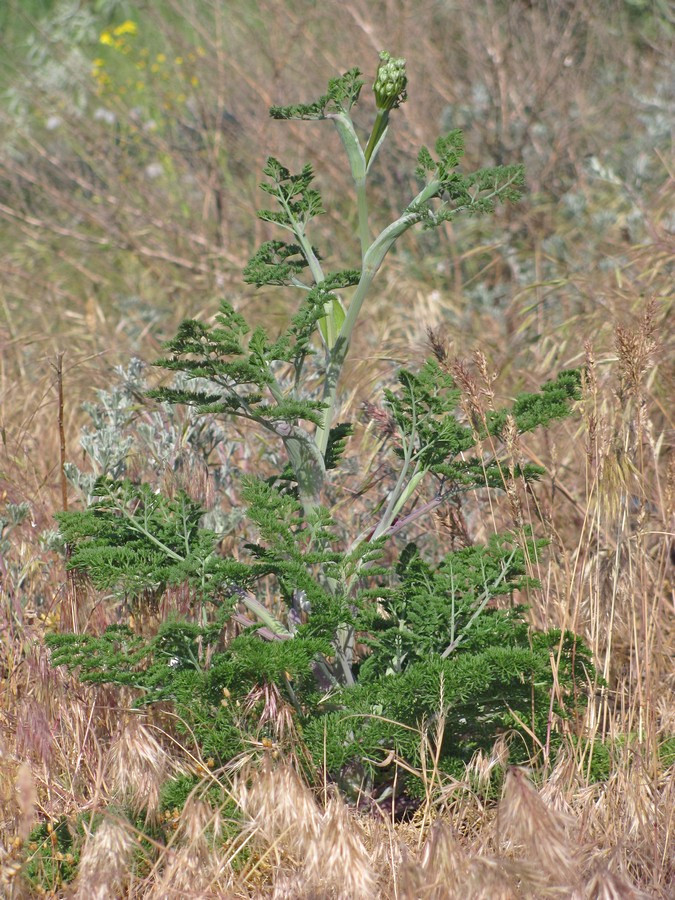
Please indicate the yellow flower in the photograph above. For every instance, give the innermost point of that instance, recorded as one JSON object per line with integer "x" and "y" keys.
{"x": 194, "y": 81}
{"x": 99, "y": 63}
{"x": 161, "y": 58}
{"x": 179, "y": 60}
{"x": 106, "y": 38}
{"x": 127, "y": 27}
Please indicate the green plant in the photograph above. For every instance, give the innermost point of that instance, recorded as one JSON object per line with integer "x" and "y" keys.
{"x": 354, "y": 662}
{"x": 53, "y": 854}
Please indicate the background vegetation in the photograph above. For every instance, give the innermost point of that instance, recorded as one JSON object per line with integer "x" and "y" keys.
{"x": 132, "y": 141}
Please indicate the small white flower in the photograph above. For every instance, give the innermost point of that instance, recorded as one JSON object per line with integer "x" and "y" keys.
{"x": 53, "y": 123}
{"x": 154, "y": 170}
{"x": 105, "y": 115}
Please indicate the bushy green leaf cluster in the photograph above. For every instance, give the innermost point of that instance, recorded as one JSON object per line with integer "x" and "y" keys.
{"x": 136, "y": 542}
{"x": 436, "y": 646}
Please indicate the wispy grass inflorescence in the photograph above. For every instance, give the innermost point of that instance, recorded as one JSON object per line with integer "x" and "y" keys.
{"x": 105, "y": 861}
{"x": 137, "y": 766}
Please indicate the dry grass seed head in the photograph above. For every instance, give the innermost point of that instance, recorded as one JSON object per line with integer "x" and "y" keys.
{"x": 275, "y": 711}
{"x": 280, "y": 806}
{"x": 196, "y": 818}
{"x": 137, "y": 765}
{"x": 195, "y": 869}
{"x": 190, "y": 874}
{"x": 439, "y": 345}
{"x": 443, "y": 860}
{"x": 339, "y": 858}
{"x": 34, "y": 732}
{"x": 104, "y": 862}
{"x": 445, "y": 871}
{"x": 488, "y": 879}
{"x": 636, "y": 348}
{"x": 557, "y": 791}
{"x": 480, "y": 769}
{"x": 287, "y": 886}
{"x": 471, "y": 395}
{"x": 541, "y": 832}
{"x": 605, "y": 885}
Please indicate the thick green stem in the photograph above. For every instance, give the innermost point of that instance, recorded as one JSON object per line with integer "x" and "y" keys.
{"x": 362, "y": 206}
{"x": 345, "y": 652}
{"x": 352, "y": 145}
{"x": 329, "y": 326}
{"x": 372, "y": 261}
{"x": 298, "y": 230}
{"x": 377, "y": 135}
{"x": 254, "y": 605}
{"x": 308, "y": 466}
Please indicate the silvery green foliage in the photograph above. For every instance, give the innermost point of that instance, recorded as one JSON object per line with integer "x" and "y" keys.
{"x": 125, "y": 426}
{"x": 62, "y": 76}
{"x": 12, "y": 515}
{"x": 12, "y": 570}
{"x": 106, "y": 443}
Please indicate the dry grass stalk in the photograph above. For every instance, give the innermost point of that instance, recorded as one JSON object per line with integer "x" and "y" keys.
{"x": 604, "y": 885}
{"x": 26, "y": 801}
{"x": 18, "y": 802}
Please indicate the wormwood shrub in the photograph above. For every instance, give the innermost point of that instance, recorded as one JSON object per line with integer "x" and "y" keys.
{"x": 359, "y": 659}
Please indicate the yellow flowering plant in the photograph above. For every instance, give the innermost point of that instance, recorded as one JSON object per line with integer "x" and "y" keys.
{"x": 158, "y": 80}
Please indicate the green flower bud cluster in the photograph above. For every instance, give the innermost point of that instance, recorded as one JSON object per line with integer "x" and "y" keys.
{"x": 390, "y": 82}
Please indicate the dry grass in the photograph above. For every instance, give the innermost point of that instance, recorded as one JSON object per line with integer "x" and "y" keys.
{"x": 100, "y": 261}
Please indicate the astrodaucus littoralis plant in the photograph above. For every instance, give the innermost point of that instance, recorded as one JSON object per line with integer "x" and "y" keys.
{"x": 362, "y": 659}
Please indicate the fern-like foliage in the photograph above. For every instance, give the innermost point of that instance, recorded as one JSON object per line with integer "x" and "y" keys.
{"x": 474, "y": 193}
{"x": 436, "y": 610}
{"x": 298, "y": 202}
{"x": 343, "y": 92}
{"x": 436, "y": 648}
{"x": 502, "y": 684}
{"x": 235, "y": 376}
{"x": 424, "y": 410}
{"x": 137, "y": 542}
